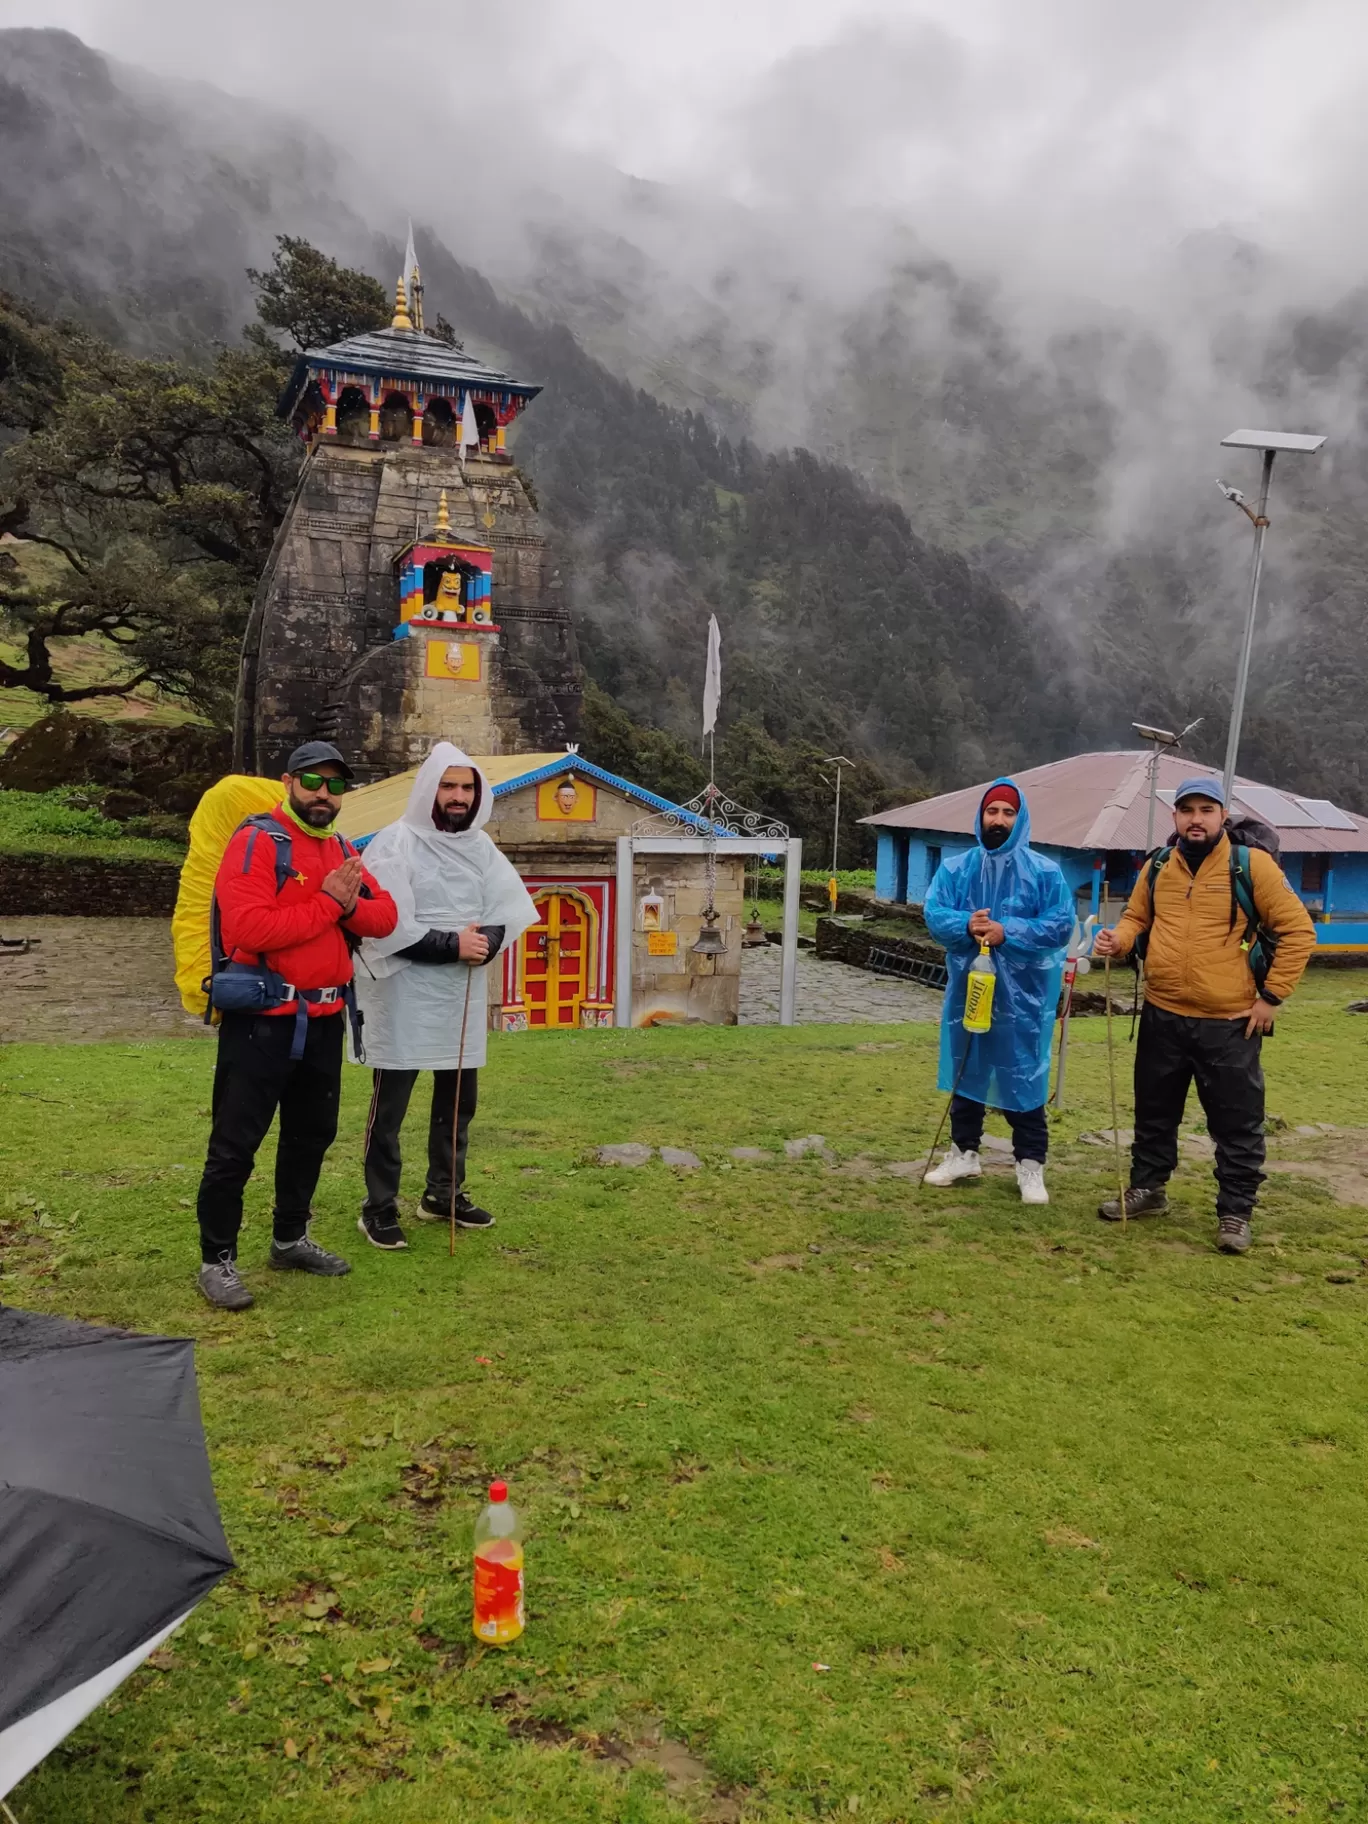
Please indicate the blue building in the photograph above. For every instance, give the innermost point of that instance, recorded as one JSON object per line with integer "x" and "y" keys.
{"x": 1091, "y": 813}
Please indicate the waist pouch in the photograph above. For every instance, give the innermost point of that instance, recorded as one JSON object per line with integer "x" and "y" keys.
{"x": 253, "y": 988}
{"x": 247, "y": 988}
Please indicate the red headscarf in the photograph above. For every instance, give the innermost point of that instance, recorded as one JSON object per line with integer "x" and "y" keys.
{"x": 1001, "y": 794}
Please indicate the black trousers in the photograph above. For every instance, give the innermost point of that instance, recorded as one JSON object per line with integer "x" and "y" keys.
{"x": 252, "y": 1078}
{"x": 1172, "y": 1052}
{"x": 389, "y": 1105}
{"x": 1030, "y": 1131}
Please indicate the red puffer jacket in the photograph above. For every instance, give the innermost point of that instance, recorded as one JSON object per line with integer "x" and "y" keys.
{"x": 300, "y": 930}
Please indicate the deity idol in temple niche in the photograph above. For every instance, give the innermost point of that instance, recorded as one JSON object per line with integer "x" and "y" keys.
{"x": 567, "y": 796}
{"x": 448, "y": 605}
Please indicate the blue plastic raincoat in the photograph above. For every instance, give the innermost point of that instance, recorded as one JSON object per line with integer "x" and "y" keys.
{"x": 1009, "y": 1065}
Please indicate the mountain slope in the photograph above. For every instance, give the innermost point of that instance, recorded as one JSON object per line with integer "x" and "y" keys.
{"x": 123, "y": 204}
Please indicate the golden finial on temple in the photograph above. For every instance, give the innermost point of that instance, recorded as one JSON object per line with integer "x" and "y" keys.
{"x": 443, "y": 515}
{"x": 402, "y": 319}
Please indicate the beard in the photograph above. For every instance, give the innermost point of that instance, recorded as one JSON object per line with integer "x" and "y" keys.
{"x": 1195, "y": 849}
{"x": 995, "y": 836}
{"x": 317, "y": 816}
{"x": 457, "y": 819}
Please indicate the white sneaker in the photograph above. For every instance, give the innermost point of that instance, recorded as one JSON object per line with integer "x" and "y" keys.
{"x": 1031, "y": 1181}
{"x": 954, "y": 1166}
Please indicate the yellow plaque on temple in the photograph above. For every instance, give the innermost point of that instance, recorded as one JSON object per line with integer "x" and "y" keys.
{"x": 565, "y": 800}
{"x": 456, "y": 659}
{"x": 662, "y": 943}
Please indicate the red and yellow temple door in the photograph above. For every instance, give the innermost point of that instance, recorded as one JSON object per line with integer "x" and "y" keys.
{"x": 557, "y": 954}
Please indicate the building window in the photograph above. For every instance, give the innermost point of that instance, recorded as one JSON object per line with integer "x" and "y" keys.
{"x": 1313, "y": 874}
{"x": 933, "y": 861}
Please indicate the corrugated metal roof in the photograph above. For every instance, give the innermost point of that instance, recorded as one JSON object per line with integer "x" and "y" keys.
{"x": 1101, "y": 801}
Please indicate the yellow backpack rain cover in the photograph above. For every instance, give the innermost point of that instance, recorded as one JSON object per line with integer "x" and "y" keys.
{"x": 223, "y": 807}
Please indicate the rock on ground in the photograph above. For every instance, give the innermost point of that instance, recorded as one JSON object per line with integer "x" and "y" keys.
{"x": 631, "y": 1152}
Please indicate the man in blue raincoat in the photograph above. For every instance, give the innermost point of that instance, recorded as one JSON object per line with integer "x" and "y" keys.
{"x": 1005, "y": 895}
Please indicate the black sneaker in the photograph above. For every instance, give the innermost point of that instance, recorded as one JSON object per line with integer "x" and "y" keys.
{"x": 219, "y": 1282}
{"x": 382, "y": 1229}
{"x": 1233, "y": 1234}
{"x": 305, "y": 1256}
{"x": 1141, "y": 1200}
{"x": 468, "y": 1215}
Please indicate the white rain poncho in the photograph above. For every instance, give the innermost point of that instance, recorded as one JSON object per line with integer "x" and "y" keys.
{"x": 439, "y": 882}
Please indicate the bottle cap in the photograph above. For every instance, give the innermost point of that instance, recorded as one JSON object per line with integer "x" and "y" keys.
{"x": 498, "y": 1491}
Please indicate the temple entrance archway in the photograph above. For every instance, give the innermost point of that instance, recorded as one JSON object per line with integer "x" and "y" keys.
{"x": 353, "y": 416}
{"x": 396, "y": 418}
{"x": 439, "y": 424}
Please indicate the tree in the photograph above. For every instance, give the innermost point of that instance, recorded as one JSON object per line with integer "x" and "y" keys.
{"x": 152, "y": 491}
{"x": 147, "y": 494}
{"x": 314, "y": 300}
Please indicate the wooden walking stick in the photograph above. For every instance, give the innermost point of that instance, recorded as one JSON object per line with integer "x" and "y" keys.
{"x": 1111, "y": 1058}
{"x": 456, "y": 1107}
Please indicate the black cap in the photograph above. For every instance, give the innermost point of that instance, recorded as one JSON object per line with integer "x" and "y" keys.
{"x": 317, "y": 753}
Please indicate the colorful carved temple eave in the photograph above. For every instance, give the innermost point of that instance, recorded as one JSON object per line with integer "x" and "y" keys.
{"x": 409, "y": 369}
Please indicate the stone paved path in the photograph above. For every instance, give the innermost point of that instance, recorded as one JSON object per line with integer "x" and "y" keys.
{"x": 92, "y": 978}
{"x": 110, "y": 978}
{"x": 829, "y": 993}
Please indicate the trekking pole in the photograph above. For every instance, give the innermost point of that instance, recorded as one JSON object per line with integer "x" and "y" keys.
{"x": 456, "y": 1108}
{"x": 1111, "y": 1059}
{"x": 968, "y": 1043}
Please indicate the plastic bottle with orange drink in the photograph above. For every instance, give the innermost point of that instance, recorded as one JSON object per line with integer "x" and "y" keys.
{"x": 498, "y": 1617}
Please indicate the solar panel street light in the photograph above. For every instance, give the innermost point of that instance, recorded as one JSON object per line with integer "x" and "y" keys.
{"x": 1301, "y": 443}
{"x": 1162, "y": 738}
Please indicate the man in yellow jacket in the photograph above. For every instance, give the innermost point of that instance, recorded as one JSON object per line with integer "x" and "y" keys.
{"x": 1205, "y": 1015}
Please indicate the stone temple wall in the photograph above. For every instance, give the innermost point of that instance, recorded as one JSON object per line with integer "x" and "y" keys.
{"x": 320, "y": 658}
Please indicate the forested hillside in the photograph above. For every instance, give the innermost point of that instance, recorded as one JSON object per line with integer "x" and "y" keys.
{"x": 842, "y": 630}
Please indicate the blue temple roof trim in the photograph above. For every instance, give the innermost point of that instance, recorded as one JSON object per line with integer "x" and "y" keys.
{"x": 582, "y": 768}
{"x": 401, "y": 354}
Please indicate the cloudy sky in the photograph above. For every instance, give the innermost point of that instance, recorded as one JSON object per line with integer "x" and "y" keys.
{"x": 1241, "y": 102}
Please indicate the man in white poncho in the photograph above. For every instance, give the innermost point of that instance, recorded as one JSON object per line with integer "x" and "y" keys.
{"x": 459, "y": 901}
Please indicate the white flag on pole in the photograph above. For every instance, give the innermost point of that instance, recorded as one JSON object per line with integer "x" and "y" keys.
{"x": 712, "y": 677}
{"x": 470, "y": 431}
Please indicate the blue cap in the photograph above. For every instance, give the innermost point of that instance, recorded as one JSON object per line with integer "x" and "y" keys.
{"x": 1200, "y": 788}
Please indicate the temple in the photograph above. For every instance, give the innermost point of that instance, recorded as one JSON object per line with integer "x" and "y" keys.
{"x": 407, "y": 597}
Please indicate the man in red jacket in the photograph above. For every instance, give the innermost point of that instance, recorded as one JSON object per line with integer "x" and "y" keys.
{"x": 300, "y": 932}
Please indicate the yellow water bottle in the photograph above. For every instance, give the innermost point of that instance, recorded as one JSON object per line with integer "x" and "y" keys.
{"x": 978, "y": 997}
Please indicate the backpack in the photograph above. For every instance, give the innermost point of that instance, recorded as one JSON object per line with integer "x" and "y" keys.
{"x": 1259, "y": 944}
{"x": 253, "y": 987}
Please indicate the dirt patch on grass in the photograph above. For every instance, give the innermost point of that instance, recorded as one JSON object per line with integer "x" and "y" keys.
{"x": 1338, "y": 1161}
{"x": 687, "y": 1778}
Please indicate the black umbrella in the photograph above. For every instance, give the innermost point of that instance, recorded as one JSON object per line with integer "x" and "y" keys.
{"x": 109, "y": 1531}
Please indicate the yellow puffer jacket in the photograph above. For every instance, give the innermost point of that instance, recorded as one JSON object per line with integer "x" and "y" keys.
{"x": 1195, "y": 965}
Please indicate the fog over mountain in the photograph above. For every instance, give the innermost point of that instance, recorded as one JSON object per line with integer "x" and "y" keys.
{"x": 1021, "y": 266}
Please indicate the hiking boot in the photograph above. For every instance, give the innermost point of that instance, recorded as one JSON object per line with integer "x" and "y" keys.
{"x": 954, "y": 1166}
{"x": 381, "y": 1229}
{"x": 1030, "y": 1177}
{"x": 468, "y": 1215}
{"x": 219, "y": 1282}
{"x": 1233, "y": 1233}
{"x": 1141, "y": 1200}
{"x": 305, "y": 1256}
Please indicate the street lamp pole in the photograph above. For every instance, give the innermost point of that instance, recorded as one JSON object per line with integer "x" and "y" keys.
{"x": 1162, "y": 738}
{"x": 1269, "y": 443}
{"x": 838, "y": 761}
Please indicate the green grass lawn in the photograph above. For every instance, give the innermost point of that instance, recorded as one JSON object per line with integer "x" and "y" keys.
{"x": 843, "y": 1501}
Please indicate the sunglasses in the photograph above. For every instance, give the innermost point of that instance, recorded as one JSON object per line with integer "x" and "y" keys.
{"x": 314, "y": 782}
